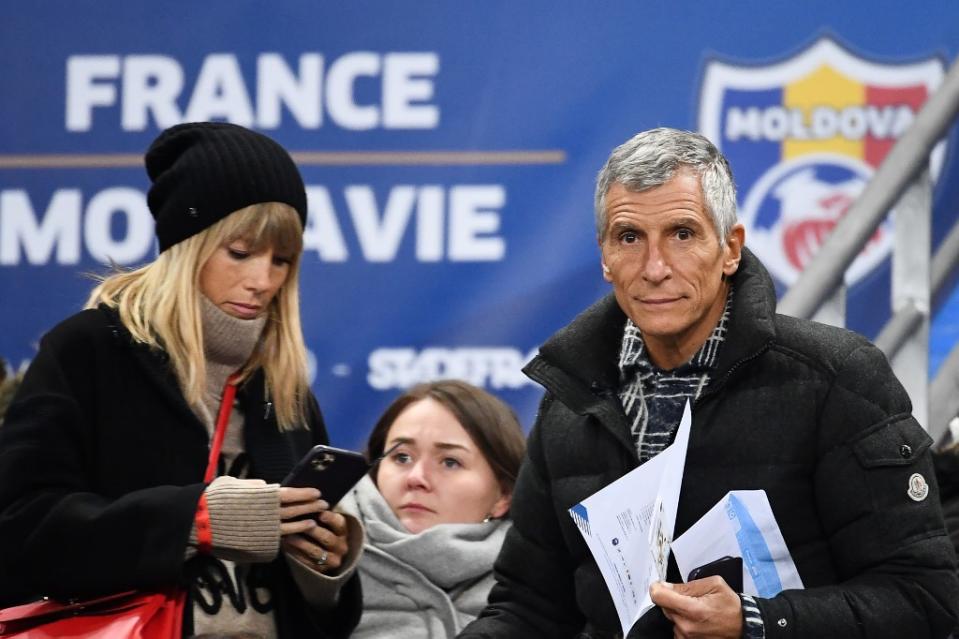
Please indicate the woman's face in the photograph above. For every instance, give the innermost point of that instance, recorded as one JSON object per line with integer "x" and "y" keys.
{"x": 242, "y": 283}
{"x": 437, "y": 475}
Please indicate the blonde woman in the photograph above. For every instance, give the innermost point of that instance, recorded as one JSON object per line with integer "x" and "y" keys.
{"x": 104, "y": 448}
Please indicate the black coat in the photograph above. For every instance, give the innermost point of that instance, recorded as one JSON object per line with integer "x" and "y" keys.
{"x": 947, "y": 473}
{"x": 101, "y": 469}
{"x": 810, "y": 413}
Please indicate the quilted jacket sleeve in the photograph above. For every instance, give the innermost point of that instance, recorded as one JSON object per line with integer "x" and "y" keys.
{"x": 878, "y": 504}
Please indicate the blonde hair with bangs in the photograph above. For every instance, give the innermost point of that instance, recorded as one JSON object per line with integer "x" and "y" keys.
{"x": 160, "y": 305}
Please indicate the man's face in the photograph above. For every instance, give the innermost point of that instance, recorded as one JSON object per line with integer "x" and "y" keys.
{"x": 666, "y": 265}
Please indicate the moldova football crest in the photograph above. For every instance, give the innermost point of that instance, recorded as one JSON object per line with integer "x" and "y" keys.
{"x": 804, "y": 136}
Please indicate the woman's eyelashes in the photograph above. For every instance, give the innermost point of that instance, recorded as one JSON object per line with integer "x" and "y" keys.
{"x": 240, "y": 252}
{"x": 402, "y": 457}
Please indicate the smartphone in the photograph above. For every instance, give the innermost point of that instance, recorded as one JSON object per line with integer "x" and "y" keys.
{"x": 333, "y": 471}
{"x": 729, "y": 568}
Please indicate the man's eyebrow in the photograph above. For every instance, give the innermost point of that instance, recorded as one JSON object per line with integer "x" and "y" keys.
{"x": 620, "y": 225}
{"x": 686, "y": 220}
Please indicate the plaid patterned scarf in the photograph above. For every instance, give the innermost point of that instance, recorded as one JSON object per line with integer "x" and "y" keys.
{"x": 652, "y": 398}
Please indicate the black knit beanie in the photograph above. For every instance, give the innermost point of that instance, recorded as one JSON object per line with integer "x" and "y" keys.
{"x": 203, "y": 171}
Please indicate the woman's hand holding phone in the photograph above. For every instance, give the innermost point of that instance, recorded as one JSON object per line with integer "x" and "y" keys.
{"x": 310, "y": 531}
{"x": 319, "y": 542}
{"x": 299, "y": 508}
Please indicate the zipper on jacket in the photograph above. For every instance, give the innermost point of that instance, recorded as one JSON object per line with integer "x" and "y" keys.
{"x": 712, "y": 389}
{"x": 267, "y": 404}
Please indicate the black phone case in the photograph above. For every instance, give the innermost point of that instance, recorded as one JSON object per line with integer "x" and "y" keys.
{"x": 333, "y": 471}
{"x": 729, "y": 568}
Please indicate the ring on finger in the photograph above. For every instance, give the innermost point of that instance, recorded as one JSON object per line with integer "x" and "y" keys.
{"x": 321, "y": 560}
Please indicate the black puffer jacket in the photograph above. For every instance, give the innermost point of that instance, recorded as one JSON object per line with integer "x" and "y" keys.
{"x": 947, "y": 473}
{"x": 809, "y": 413}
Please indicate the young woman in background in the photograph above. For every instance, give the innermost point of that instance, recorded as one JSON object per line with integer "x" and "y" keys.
{"x": 435, "y": 509}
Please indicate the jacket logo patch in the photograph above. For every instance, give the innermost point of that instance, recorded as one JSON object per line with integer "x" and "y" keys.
{"x": 918, "y": 488}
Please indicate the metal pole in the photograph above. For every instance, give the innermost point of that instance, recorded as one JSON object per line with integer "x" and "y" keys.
{"x": 903, "y": 324}
{"x": 906, "y": 320}
{"x": 905, "y": 160}
{"x": 911, "y": 266}
{"x": 946, "y": 259}
{"x": 944, "y": 396}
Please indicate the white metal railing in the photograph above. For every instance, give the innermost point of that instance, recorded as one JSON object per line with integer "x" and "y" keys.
{"x": 901, "y": 180}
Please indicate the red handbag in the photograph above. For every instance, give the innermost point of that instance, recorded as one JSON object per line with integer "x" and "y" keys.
{"x": 130, "y": 615}
{"x": 127, "y": 615}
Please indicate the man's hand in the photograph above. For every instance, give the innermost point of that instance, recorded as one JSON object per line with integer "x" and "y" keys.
{"x": 700, "y": 609}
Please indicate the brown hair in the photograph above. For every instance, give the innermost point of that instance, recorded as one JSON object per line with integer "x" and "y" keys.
{"x": 490, "y": 423}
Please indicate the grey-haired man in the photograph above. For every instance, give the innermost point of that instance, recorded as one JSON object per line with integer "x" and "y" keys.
{"x": 809, "y": 413}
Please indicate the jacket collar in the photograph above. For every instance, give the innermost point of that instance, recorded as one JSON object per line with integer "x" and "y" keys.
{"x": 752, "y": 321}
{"x": 156, "y": 366}
{"x": 268, "y": 448}
{"x": 588, "y": 348}
{"x": 578, "y": 365}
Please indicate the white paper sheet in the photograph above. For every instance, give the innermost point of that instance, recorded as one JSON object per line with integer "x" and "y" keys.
{"x": 629, "y": 525}
{"x": 741, "y": 524}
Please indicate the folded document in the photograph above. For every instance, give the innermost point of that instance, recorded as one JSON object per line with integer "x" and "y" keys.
{"x": 741, "y": 524}
{"x": 628, "y": 526}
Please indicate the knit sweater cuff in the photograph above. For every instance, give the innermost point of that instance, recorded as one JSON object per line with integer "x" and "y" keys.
{"x": 320, "y": 590}
{"x": 245, "y": 519}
